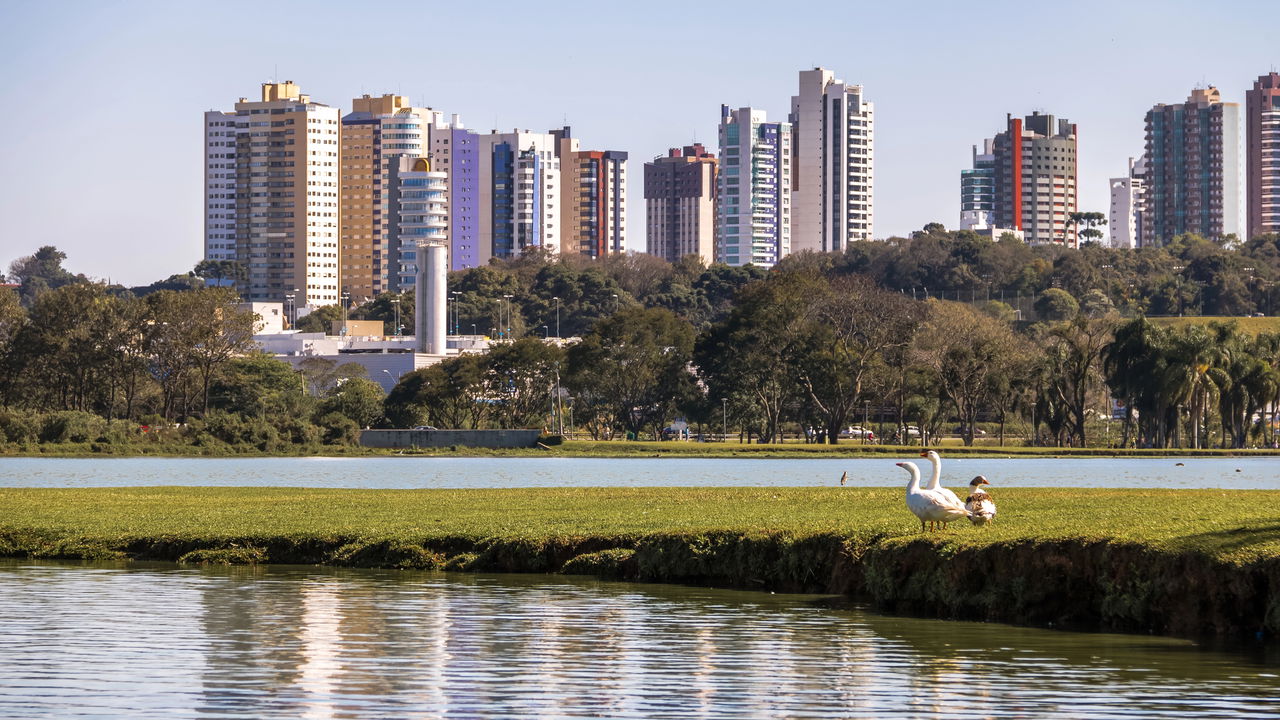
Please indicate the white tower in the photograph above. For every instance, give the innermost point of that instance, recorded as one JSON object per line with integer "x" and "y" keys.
{"x": 430, "y": 320}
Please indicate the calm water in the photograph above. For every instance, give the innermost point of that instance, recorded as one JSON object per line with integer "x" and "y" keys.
{"x": 280, "y": 642}
{"x": 409, "y": 472}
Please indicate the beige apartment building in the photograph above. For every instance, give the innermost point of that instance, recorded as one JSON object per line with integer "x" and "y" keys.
{"x": 271, "y": 195}
{"x": 375, "y": 135}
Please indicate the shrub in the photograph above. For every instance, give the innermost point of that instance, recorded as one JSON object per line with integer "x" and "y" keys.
{"x": 19, "y": 426}
{"x": 71, "y": 426}
{"x": 387, "y": 554}
{"x": 338, "y": 429}
{"x": 613, "y": 563}
{"x": 225, "y": 556}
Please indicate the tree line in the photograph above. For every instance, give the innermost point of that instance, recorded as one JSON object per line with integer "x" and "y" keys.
{"x": 819, "y": 342}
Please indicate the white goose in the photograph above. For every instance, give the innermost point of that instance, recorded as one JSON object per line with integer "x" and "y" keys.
{"x": 982, "y": 509}
{"x": 930, "y": 507}
{"x": 935, "y": 480}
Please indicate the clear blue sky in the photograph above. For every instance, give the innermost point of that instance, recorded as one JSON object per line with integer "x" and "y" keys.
{"x": 100, "y": 137}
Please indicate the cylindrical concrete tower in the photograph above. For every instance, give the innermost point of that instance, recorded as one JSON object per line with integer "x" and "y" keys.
{"x": 430, "y": 321}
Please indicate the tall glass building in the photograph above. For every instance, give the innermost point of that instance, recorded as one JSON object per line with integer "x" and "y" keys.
{"x": 753, "y": 215}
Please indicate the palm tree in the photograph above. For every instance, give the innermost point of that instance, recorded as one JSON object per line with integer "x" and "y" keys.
{"x": 1194, "y": 376}
{"x": 1128, "y": 363}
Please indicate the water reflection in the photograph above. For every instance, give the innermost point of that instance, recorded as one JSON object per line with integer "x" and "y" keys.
{"x": 159, "y": 641}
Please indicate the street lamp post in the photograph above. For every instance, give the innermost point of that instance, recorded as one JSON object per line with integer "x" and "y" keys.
{"x": 395, "y": 303}
{"x": 507, "y": 328}
{"x": 544, "y": 332}
{"x": 455, "y": 295}
{"x": 557, "y": 299}
{"x": 724, "y": 417}
{"x": 288, "y": 313}
{"x": 346, "y": 296}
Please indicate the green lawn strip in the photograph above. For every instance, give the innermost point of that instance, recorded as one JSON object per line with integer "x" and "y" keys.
{"x": 1223, "y": 523}
{"x": 1171, "y": 561}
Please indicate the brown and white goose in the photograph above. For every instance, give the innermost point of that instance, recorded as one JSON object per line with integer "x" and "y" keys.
{"x": 982, "y": 509}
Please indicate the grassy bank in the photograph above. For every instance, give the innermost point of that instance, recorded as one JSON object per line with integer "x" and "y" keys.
{"x": 607, "y": 449}
{"x": 1176, "y": 562}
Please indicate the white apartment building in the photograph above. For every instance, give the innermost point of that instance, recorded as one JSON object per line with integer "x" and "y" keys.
{"x": 520, "y": 183}
{"x": 1125, "y": 221}
{"x": 272, "y": 194}
{"x": 832, "y": 188}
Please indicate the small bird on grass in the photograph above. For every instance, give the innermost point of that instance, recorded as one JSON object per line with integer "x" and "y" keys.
{"x": 844, "y": 476}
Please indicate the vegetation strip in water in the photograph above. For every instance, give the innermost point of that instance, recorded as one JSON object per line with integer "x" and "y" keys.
{"x": 1183, "y": 562}
{"x": 620, "y": 448}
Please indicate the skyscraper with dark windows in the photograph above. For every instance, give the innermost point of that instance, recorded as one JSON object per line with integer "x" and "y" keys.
{"x": 1192, "y": 163}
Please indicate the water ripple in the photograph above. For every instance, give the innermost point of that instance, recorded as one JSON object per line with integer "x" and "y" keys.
{"x": 163, "y": 642}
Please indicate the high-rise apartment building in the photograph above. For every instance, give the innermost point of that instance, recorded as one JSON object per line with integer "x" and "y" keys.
{"x": 375, "y": 135}
{"x": 978, "y": 189}
{"x": 832, "y": 179}
{"x": 1262, "y": 155}
{"x": 1125, "y": 221}
{"x": 680, "y": 204}
{"x": 272, "y": 194}
{"x": 753, "y": 213}
{"x": 593, "y": 195}
{"x": 519, "y": 193}
{"x": 418, "y": 214}
{"x": 1193, "y": 166}
{"x": 455, "y": 150}
{"x": 1035, "y": 178}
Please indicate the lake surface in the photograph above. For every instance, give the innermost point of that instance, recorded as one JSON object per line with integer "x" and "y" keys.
{"x": 450, "y": 472}
{"x": 288, "y": 642}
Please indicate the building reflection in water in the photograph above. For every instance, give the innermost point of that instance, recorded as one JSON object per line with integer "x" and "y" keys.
{"x": 327, "y": 644}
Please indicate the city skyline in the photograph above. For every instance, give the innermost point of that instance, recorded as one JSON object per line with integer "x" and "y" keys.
{"x": 109, "y": 67}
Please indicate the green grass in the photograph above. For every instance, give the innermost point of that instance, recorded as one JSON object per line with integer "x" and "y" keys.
{"x": 1232, "y": 524}
{"x": 1186, "y": 562}
{"x": 1247, "y": 325}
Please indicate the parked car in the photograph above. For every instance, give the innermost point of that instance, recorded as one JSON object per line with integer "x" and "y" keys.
{"x": 977, "y": 432}
{"x": 424, "y": 427}
{"x": 857, "y": 431}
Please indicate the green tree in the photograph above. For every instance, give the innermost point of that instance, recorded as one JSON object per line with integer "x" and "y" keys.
{"x": 41, "y": 271}
{"x": 449, "y": 394}
{"x": 319, "y": 320}
{"x": 520, "y": 377}
{"x": 194, "y": 334}
{"x": 1056, "y": 305}
{"x": 855, "y": 326}
{"x": 220, "y": 273}
{"x": 359, "y": 399}
{"x": 738, "y": 357}
{"x": 632, "y": 369}
{"x": 259, "y": 385}
{"x": 971, "y": 355}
